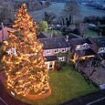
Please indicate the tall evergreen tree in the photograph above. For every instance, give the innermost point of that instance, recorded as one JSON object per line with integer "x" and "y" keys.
{"x": 23, "y": 61}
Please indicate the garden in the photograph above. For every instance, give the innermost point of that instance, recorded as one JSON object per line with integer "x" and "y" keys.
{"x": 26, "y": 74}
{"x": 66, "y": 85}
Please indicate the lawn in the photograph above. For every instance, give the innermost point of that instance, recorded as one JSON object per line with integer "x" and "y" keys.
{"x": 90, "y": 33}
{"x": 66, "y": 85}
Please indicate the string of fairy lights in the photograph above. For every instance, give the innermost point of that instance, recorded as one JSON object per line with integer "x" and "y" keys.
{"x": 24, "y": 63}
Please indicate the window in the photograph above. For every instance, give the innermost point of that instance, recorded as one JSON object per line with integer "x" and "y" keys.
{"x": 56, "y": 51}
{"x": 63, "y": 50}
{"x": 50, "y": 66}
{"x": 48, "y": 51}
{"x": 61, "y": 59}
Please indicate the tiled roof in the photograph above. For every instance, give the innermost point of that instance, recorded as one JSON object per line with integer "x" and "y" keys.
{"x": 86, "y": 52}
{"x": 41, "y": 35}
{"x": 79, "y": 41}
{"x": 102, "y": 55}
{"x": 55, "y": 42}
{"x": 89, "y": 52}
{"x": 100, "y": 41}
{"x": 73, "y": 36}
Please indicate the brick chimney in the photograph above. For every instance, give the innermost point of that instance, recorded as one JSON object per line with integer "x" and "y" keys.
{"x": 67, "y": 38}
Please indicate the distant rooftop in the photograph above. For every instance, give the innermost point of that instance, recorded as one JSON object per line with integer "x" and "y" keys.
{"x": 100, "y": 41}
{"x": 87, "y": 52}
{"x": 79, "y": 41}
{"x": 73, "y": 36}
{"x": 4, "y": 33}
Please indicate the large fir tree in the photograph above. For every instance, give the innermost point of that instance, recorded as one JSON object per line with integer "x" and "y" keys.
{"x": 23, "y": 61}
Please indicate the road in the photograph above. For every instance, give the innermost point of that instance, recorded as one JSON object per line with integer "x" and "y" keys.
{"x": 2, "y": 102}
{"x": 6, "y": 99}
{"x": 97, "y": 98}
{"x": 100, "y": 101}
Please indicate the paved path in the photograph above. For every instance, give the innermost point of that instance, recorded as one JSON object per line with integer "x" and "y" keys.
{"x": 2, "y": 102}
{"x": 97, "y": 98}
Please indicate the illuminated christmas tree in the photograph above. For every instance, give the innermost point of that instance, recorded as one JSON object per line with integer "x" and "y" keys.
{"x": 23, "y": 60}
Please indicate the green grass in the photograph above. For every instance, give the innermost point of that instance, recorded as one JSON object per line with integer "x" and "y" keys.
{"x": 90, "y": 33}
{"x": 66, "y": 85}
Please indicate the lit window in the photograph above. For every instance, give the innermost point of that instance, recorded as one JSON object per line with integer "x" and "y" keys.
{"x": 61, "y": 58}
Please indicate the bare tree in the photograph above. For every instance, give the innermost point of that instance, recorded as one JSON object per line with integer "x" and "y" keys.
{"x": 6, "y": 13}
{"x": 49, "y": 17}
{"x": 34, "y": 5}
{"x": 71, "y": 9}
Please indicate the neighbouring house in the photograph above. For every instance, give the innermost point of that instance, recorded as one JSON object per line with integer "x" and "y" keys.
{"x": 4, "y": 33}
{"x": 81, "y": 49}
{"x": 57, "y": 48}
{"x": 54, "y": 50}
{"x": 96, "y": 73}
{"x": 99, "y": 47}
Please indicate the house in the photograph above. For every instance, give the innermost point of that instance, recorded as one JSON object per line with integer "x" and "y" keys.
{"x": 81, "y": 49}
{"x": 54, "y": 45}
{"x": 99, "y": 46}
{"x": 54, "y": 50}
{"x": 57, "y": 46}
{"x": 4, "y": 33}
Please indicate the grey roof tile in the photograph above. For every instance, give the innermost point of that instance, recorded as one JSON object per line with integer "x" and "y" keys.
{"x": 53, "y": 43}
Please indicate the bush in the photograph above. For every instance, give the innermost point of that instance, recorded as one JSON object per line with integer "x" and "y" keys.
{"x": 43, "y": 26}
